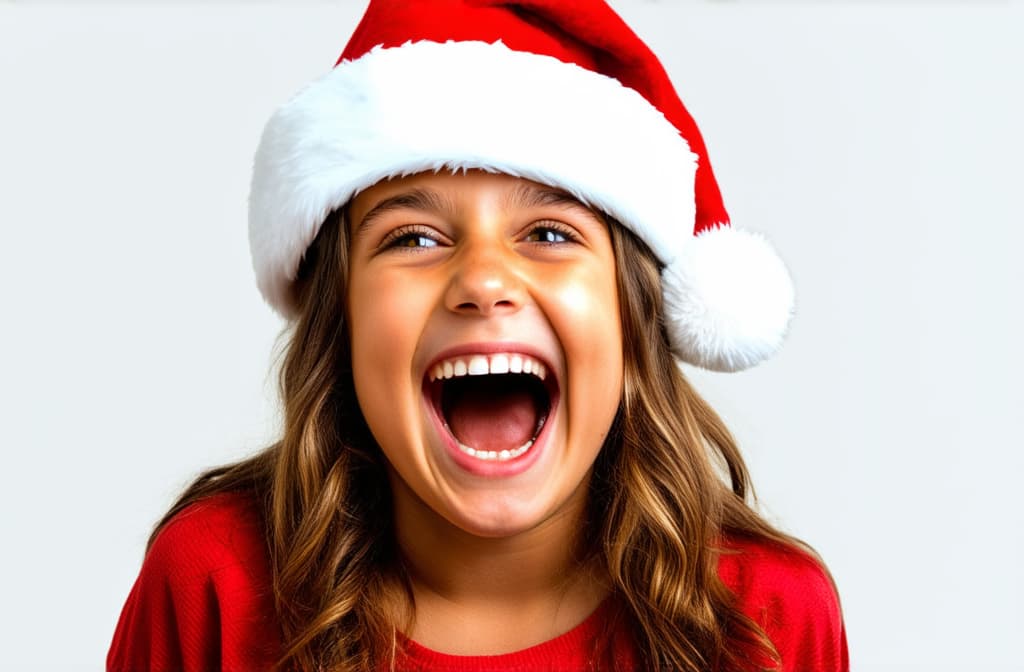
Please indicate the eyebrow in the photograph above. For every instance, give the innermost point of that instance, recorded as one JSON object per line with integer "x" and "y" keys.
{"x": 534, "y": 196}
{"x": 415, "y": 199}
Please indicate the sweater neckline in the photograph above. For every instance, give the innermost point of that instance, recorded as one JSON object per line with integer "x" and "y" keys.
{"x": 560, "y": 647}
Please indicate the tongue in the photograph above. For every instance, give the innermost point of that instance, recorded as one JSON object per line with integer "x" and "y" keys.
{"x": 492, "y": 414}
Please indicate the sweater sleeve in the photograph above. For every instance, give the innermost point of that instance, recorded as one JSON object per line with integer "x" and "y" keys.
{"x": 791, "y": 596}
{"x": 202, "y": 600}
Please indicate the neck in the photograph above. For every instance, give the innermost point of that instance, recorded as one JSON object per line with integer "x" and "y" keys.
{"x": 534, "y": 582}
{"x": 459, "y": 566}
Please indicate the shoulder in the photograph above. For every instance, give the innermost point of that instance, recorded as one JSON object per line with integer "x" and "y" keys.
{"x": 775, "y": 576}
{"x": 203, "y": 598}
{"x": 222, "y": 534}
{"x": 789, "y": 593}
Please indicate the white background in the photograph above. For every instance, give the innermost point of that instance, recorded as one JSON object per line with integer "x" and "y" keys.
{"x": 878, "y": 144}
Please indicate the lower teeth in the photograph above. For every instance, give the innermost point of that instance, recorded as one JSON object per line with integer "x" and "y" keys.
{"x": 498, "y": 455}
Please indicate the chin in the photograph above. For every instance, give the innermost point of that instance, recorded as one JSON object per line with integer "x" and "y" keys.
{"x": 496, "y": 516}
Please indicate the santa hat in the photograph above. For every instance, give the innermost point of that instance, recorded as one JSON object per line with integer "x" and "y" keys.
{"x": 562, "y": 93}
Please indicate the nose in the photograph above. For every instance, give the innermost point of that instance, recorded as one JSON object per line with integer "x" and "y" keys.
{"x": 484, "y": 282}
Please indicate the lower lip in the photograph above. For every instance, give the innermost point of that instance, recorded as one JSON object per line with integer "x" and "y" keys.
{"x": 492, "y": 468}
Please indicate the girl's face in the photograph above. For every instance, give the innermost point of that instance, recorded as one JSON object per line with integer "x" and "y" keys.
{"x": 486, "y": 344}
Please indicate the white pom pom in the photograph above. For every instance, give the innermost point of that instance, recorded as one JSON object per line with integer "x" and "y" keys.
{"x": 728, "y": 300}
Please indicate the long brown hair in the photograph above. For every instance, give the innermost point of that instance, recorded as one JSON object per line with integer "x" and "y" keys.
{"x": 668, "y": 486}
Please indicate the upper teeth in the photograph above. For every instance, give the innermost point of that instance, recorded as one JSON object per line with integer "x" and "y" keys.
{"x": 480, "y": 365}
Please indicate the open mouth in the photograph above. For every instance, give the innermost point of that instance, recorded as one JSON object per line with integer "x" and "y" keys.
{"x": 494, "y": 406}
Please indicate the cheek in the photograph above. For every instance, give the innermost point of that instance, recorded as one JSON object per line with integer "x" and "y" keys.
{"x": 590, "y": 333}
{"x": 588, "y": 313}
{"x": 384, "y": 329}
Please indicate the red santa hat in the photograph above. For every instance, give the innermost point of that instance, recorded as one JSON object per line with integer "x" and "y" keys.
{"x": 562, "y": 93}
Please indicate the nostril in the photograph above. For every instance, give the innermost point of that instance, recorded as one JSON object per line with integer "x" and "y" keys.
{"x": 484, "y": 307}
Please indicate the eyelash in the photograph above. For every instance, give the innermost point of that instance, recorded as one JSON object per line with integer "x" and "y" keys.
{"x": 563, "y": 230}
{"x": 397, "y": 238}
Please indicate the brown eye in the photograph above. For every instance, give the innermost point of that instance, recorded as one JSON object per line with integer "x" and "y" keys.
{"x": 550, "y": 234}
{"x": 413, "y": 240}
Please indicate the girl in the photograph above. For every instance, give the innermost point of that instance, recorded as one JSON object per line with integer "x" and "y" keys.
{"x": 494, "y": 230}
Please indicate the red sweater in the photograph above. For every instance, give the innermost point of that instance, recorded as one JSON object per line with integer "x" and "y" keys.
{"x": 203, "y": 602}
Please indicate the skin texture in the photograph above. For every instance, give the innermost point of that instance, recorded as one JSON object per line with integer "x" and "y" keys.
{"x": 440, "y": 261}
